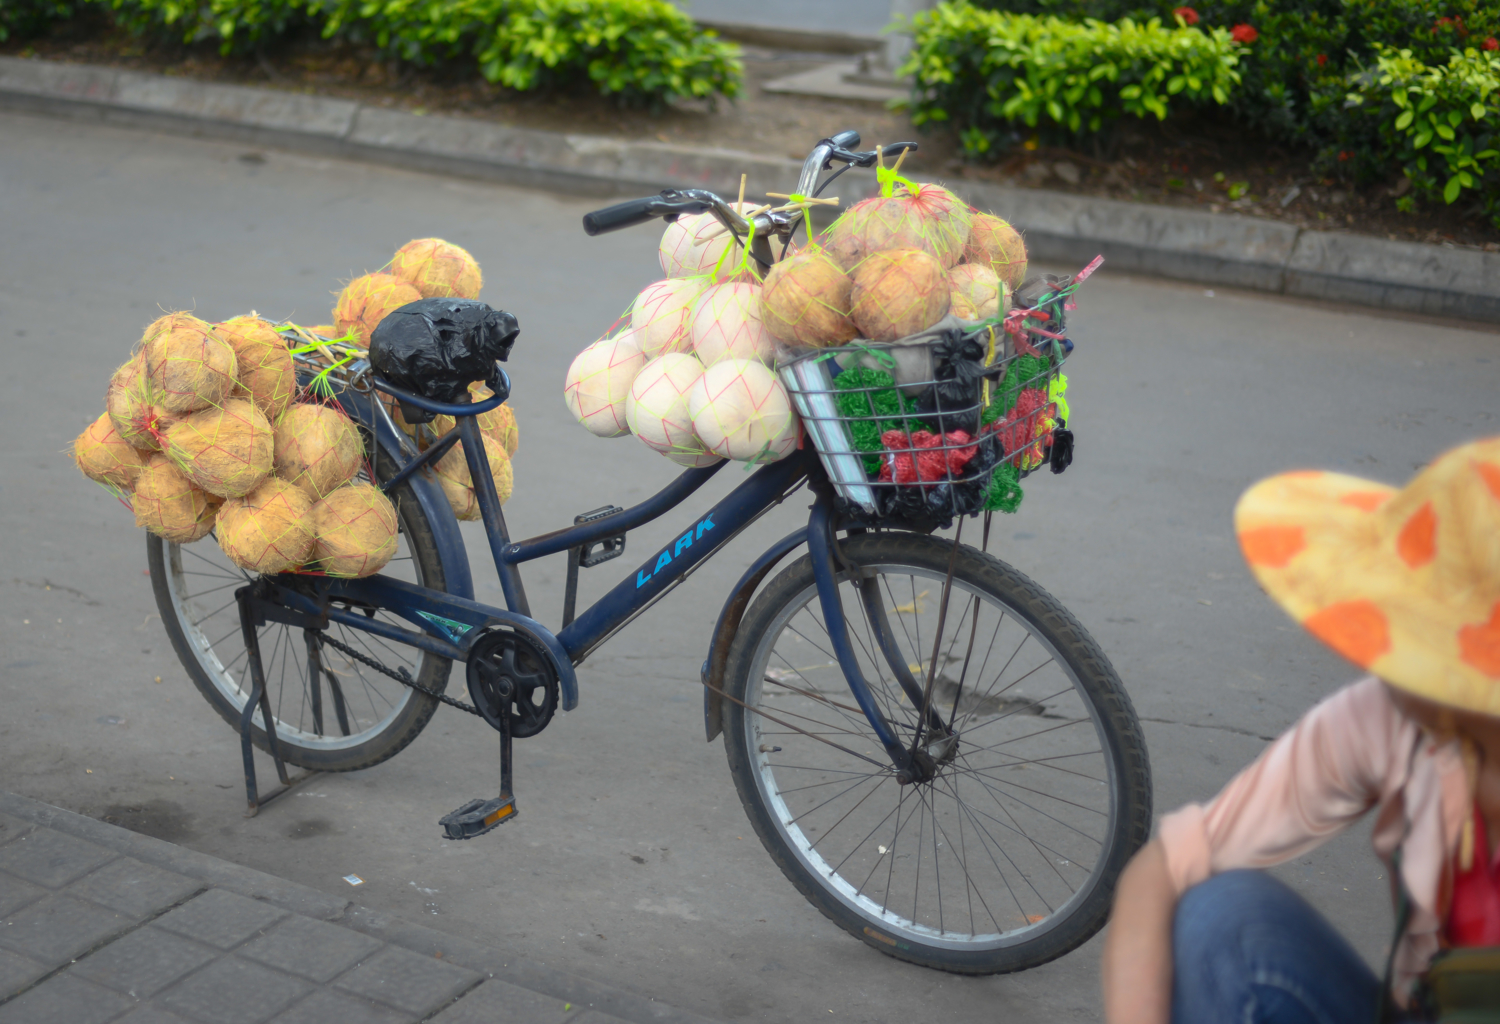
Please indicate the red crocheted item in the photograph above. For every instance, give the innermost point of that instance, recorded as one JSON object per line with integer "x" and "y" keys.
{"x": 907, "y": 463}
{"x": 1021, "y": 428}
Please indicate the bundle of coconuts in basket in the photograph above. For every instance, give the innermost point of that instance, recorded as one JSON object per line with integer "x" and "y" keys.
{"x": 689, "y": 368}
{"x": 206, "y": 430}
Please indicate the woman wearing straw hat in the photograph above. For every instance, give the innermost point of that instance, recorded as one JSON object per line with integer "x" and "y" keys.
{"x": 1406, "y": 584}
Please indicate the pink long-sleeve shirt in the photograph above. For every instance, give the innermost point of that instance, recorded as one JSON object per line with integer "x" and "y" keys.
{"x": 1352, "y": 752}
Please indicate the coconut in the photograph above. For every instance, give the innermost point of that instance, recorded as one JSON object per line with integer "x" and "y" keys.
{"x": 663, "y": 314}
{"x": 128, "y": 403}
{"x": 367, "y": 300}
{"x": 726, "y": 324}
{"x": 599, "y": 380}
{"x": 681, "y": 257}
{"x": 805, "y": 300}
{"x": 926, "y": 217}
{"x": 453, "y": 475}
{"x": 188, "y": 365}
{"x": 269, "y": 530}
{"x": 354, "y": 531}
{"x": 507, "y": 431}
{"x": 104, "y": 456}
{"x": 961, "y": 308}
{"x": 740, "y": 411}
{"x": 977, "y": 285}
{"x": 226, "y": 451}
{"x": 264, "y": 364}
{"x": 166, "y": 503}
{"x": 657, "y": 411}
{"x": 437, "y": 269}
{"x": 898, "y": 292}
{"x": 317, "y": 448}
{"x": 499, "y": 422}
{"x": 994, "y": 242}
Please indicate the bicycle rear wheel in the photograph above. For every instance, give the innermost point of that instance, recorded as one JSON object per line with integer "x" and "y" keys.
{"x": 1008, "y": 857}
{"x": 356, "y": 719}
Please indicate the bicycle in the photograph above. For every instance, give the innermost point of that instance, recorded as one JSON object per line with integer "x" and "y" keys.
{"x": 969, "y": 809}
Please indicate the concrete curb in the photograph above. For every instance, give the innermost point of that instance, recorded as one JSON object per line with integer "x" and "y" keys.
{"x": 309, "y": 902}
{"x": 1236, "y": 251}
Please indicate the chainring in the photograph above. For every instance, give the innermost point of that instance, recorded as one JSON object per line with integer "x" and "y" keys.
{"x": 509, "y": 673}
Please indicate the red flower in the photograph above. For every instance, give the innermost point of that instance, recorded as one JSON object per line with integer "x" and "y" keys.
{"x": 1322, "y": 59}
{"x": 1491, "y": 43}
{"x": 1344, "y": 154}
{"x": 1187, "y": 14}
{"x": 1244, "y": 34}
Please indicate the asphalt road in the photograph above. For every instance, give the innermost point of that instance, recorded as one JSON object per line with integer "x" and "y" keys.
{"x": 632, "y": 861}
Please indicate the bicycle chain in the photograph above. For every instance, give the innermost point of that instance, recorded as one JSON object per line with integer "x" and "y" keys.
{"x": 400, "y": 675}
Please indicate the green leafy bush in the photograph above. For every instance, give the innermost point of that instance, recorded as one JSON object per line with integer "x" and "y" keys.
{"x": 984, "y": 71}
{"x": 238, "y": 25}
{"x": 22, "y": 19}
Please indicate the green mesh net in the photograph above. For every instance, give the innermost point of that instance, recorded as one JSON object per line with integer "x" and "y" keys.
{"x": 1005, "y": 492}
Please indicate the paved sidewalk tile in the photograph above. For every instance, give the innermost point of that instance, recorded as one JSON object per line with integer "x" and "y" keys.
{"x": 64, "y": 1000}
{"x": 314, "y": 949}
{"x": 11, "y": 827}
{"x": 418, "y": 984}
{"x": 50, "y": 858}
{"x": 154, "y": 1015}
{"x": 134, "y": 888}
{"x": 59, "y": 928}
{"x": 220, "y": 918}
{"x": 328, "y": 1007}
{"x": 15, "y": 894}
{"x": 595, "y": 1017}
{"x": 233, "y": 991}
{"x": 496, "y": 1001}
{"x": 144, "y": 962}
{"x": 16, "y": 972}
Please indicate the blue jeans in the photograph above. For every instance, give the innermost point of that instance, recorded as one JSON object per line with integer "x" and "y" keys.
{"x": 1248, "y": 950}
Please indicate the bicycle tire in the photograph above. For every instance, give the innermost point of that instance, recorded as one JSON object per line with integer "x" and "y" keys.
{"x": 390, "y": 729}
{"x": 790, "y": 803}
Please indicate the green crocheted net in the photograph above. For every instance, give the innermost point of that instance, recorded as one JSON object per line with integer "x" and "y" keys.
{"x": 856, "y": 400}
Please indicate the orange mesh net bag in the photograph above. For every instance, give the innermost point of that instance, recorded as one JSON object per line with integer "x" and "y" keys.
{"x": 354, "y": 531}
{"x": 599, "y": 380}
{"x": 740, "y": 411}
{"x": 265, "y": 371}
{"x": 268, "y": 530}
{"x": 657, "y": 409}
{"x": 662, "y": 313}
{"x": 499, "y": 422}
{"x": 453, "y": 476}
{"x": 908, "y": 216}
{"x": 226, "y": 451}
{"x": 367, "y": 300}
{"x": 994, "y": 243}
{"x": 806, "y": 300}
{"x": 166, "y": 503}
{"x": 317, "y": 448}
{"x": 725, "y": 322}
{"x": 898, "y": 292}
{"x": 189, "y": 367}
{"x": 103, "y": 456}
{"x": 437, "y": 269}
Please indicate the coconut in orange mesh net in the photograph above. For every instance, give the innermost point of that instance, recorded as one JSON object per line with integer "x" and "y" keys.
{"x": 268, "y": 530}
{"x": 367, "y": 300}
{"x": 598, "y": 381}
{"x": 725, "y": 323}
{"x": 453, "y": 475}
{"x": 317, "y": 448}
{"x": 909, "y": 216}
{"x": 264, "y": 364}
{"x": 354, "y": 531}
{"x": 898, "y": 292}
{"x": 189, "y": 367}
{"x": 740, "y": 411}
{"x": 437, "y": 269}
{"x": 976, "y": 285}
{"x": 166, "y": 503}
{"x": 499, "y": 422}
{"x": 657, "y": 409}
{"x": 226, "y": 451}
{"x": 806, "y": 300}
{"x": 130, "y": 403}
{"x": 994, "y": 243}
{"x": 103, "y": 456}
{"x": 662, "y": 314}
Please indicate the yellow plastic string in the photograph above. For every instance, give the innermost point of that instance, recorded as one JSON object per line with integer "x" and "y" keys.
{"x": 1057, "y": 393}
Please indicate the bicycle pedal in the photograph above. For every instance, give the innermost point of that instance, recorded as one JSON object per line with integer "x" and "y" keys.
{"x": 477, "y": 817}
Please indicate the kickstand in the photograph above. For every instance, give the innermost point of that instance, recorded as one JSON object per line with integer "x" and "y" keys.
{"x": 477, "y": 817}
{"x": 259, "y": 697}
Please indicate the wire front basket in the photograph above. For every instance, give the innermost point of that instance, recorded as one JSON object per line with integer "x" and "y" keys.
{"x": 933, "y": 428}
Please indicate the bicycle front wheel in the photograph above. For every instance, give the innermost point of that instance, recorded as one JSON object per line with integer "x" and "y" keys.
{"x": 1008, "y": 856}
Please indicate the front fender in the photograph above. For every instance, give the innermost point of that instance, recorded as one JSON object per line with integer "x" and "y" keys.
{"x": 729, "y": 624}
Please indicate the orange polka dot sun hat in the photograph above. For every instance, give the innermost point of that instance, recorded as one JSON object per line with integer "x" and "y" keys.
{"x": 1402, "y": 582}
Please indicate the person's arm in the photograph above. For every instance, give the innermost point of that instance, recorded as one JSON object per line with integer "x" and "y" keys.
{"x": 1137, "y": 969}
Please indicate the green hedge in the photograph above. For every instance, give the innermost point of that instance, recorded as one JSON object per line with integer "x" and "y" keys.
{"x": 22, "y": 19}
{"x": 984, "y": 71}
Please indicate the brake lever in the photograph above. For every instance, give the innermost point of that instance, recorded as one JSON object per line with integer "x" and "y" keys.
{"x": 867, "y": 158}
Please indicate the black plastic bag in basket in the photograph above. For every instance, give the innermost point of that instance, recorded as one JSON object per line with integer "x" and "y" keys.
{"x": 953, "y": 402}
{"x": 945, "y": 499}
{"x": 437, "y": 347}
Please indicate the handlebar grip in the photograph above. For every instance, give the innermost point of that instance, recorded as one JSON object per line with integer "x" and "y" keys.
{"x": 621, "y": 215}
{"x": 846, "y": 139}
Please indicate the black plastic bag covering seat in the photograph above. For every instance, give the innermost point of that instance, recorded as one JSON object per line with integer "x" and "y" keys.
{"x": 437, "y": 347}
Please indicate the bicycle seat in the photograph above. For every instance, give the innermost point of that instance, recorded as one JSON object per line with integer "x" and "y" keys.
{"x": 436, "y": 348}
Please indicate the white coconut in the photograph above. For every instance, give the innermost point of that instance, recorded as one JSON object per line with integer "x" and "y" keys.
{"x": 680, "y": 257}
{"x": 978, "y": 283}
{"x": 726, "y": 324}
{"x": 657, "y": 411}
{"x": 741, "y": 411}
{"x": 662, "y": 314}
{"x": 599, "y": 381}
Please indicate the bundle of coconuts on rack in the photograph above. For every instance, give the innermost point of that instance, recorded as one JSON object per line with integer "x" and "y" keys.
{"x": 205, "y": 429}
